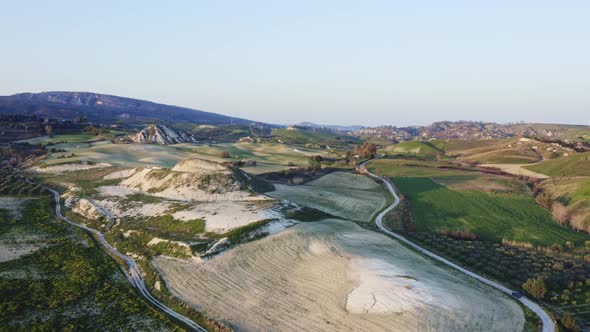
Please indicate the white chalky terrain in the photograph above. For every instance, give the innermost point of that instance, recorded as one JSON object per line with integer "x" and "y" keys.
{"x": 335, "y": 276}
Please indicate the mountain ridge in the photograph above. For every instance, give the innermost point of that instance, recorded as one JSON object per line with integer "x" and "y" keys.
{"x": 105, "y": 108}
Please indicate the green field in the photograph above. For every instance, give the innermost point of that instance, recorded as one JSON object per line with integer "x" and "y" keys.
{"x": 490, "y": 206}
{"x": 334, "y": 196}
{"x": 575, "y": 165}
{"x": 491, "y": 216}
{"x": 310, "y": 137}
{"x": 414, "y": 148}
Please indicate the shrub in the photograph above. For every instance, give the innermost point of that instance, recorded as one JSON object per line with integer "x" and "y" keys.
{"x": 224, "y": 154}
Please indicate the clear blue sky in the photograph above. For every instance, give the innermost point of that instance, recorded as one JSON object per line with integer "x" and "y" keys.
{"x": 341, "y": 62}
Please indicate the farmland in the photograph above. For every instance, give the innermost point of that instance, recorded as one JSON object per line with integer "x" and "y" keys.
{"x": 492, "y": 207}
{"x": 339, "y": 277}
{"x": 335, "y": 196}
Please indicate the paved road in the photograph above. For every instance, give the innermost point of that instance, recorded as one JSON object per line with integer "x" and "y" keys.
{"x": 548, "y": 324}
{"x": 134, "y": 275}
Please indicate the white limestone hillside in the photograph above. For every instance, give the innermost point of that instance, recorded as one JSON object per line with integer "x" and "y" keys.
{"x": 193, "y": 180}
{"x": 159, "y": 134}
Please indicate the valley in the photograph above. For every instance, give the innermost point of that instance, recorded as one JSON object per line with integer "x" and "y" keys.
{"x": 253, "y": 233}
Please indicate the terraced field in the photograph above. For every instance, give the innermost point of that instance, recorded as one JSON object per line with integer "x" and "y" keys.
{"x": 335, "y": 195}
{"x": 335, "y": 276}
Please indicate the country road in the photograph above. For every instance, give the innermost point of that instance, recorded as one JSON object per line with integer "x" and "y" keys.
{"x": 548, "y": 324}
{"x": 134, "y": 276}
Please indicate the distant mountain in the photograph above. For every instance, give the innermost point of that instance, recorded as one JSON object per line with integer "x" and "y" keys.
{"x": 159, "y": 134}
{"x": 107, "y": 109}
{"x": 337, "y": 128}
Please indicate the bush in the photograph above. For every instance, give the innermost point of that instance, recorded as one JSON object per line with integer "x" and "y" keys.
{"x": 224, "y": 154}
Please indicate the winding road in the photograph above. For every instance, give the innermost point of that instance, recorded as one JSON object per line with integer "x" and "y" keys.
{"x": 134, "y": 275}
{"x": 548, "y": 323}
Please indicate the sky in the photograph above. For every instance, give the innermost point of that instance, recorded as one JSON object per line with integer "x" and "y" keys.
{"x": 330, "y": 62}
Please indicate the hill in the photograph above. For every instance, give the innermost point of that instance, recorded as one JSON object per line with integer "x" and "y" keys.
{"x": 101, "y": 108}
{"x": 577, "y": 135}
{"x": 576, "y": 165}
{"x": 158, "y": 134}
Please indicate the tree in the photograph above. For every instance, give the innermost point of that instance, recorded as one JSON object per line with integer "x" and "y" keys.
{"x": 49, "y": 130}
{"x": 569, "y": 322}
{"x": 315, "y": 163}
{"x": 535, "y": 287}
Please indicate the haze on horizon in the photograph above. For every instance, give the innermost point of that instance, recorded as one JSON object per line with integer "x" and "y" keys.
{"x": 330, "y": 62}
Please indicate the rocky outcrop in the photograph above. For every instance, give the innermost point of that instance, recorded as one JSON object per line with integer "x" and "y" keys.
{"x": 159, "y": 134}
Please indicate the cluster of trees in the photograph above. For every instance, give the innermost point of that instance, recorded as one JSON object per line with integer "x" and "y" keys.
{"x": 94, "y": 130}
{"x": 365, "y": 151}
{"x": 538, "y": 272}
{"x": 314, "y": 163}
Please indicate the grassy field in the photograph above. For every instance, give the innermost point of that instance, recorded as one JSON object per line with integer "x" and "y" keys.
{"x": 311, "y": 137}
{"x": 268, "y": 156}
{"x": 491, "y": 216}
{"x": 414, "y": 148}
{"x": 489, "y": 206}
{"x": 123, "y": 155}
{"x": 336, "y": 197}
{"x": 575, "y": 165}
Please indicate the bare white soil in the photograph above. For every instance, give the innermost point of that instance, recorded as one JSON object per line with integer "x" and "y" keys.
{"x": 14, "y": 246}
{"x": 68, "y": 168}
{"x": 12, "y": 204}
{"x": 219, "y": 216}
{"x": 119, "y": 174}
{"x": 336, "y": 276}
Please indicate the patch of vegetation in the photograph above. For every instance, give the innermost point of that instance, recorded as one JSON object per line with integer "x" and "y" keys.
{"x": 81, "y": 288}
{"x": 168, "y": 227}
{"x": 237, "y": 235}
{"x": 307, "y": 214}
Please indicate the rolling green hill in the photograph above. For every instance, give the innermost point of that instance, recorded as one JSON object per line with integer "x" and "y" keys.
{"x": 576, "y": 165}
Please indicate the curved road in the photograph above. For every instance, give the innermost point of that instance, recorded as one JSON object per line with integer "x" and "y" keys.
{"x": 134, "y": 276}
{"x": 548, "y": 324}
